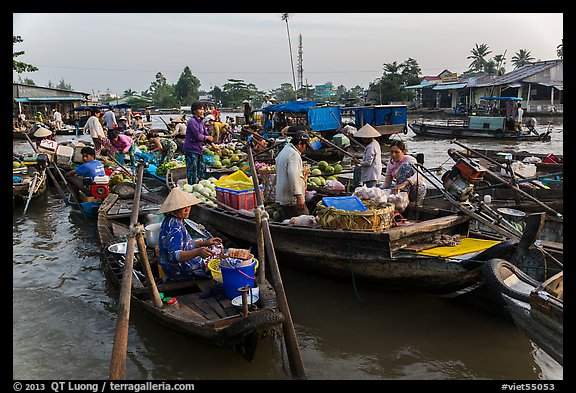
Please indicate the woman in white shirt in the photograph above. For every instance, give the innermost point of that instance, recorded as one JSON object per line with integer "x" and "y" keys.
{"x": 371, "y": 164}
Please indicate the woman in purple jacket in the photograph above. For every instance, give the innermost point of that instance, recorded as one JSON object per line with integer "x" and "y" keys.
{"x": 196, "y": 137}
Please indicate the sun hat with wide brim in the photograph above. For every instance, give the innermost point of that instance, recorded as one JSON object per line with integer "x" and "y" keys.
{"x": 42, "y": 132}
{"x": 177, "y": 199}
{"x": 178, "y": 120}
{"x": 367, "y": 131}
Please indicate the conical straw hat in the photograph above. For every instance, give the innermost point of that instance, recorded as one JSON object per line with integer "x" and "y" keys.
{"x": 177, "y": 199}
{"x": 42, "y": 132}
{"x": 367, "y": 131}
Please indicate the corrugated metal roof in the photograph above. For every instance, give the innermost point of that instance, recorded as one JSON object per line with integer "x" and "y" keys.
{"x": 448, "y": 86}
{"x": 521, "y": 73}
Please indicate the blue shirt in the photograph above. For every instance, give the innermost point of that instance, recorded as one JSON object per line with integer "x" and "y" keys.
{"x": 173, "y": 239}
{"x": 91, "y": 169}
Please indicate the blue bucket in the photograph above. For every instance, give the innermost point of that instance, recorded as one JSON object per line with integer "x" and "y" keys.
{"x": 234, "y": 278}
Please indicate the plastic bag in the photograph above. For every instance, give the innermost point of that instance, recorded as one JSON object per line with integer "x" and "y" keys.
{"x": 334, "y": 185}
{"x": 304, "y": 220}
{"x": 400, "y": 200}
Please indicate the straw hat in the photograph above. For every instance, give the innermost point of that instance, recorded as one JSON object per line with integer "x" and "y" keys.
{"x": 42, "y": 132}
{"x": 177, "y": 199}
{"x": 367, "y": 131}
{"x": 122, "y": 118}
{"x": 177, "y": 120}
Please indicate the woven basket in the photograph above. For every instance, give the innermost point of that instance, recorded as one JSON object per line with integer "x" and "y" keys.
{"x": 375, "y": 219}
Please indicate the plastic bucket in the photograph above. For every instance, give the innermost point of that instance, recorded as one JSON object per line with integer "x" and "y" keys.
{"x": 236, "y": 278}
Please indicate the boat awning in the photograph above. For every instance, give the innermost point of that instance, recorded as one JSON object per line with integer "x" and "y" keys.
{"x": 514, "y": 85}
{"x": 450, "y": 86}
{"x": 42, "y": 99}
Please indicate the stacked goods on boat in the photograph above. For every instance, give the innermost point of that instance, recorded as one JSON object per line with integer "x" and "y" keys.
{"x": 228, "y": 156}
{"x": 323, "y": 172}
{"x": 371, "y": 213}
{"x": 162, "y": 169}
{"x": 205, "y": 190}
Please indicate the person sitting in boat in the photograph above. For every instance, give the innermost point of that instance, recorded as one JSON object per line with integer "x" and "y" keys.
{"x": 400, "y": 170}
{"x": 123, "y": 124}
{"x": 290, "y": 176}
{"x": 165, "y": 147}
{"x": 120, "y": 145}
{"x": 89, "y": 170}
{"x": 371, "y": 164}
{"x": 43, "y": 133}
{"x": 179, "y": 255}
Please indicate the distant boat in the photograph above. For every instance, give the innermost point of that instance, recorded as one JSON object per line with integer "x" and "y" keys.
{"x": 488, "y": 126}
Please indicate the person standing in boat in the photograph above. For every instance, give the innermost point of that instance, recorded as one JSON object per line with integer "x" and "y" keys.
{"x": 518, "y": 119}
{"x": 96, "y": 131}
{"x": 196, "y": 137}
{"x": 371, "y": 164}
{"x": 510, "y": 115}
{"x": 399, "y": 169}
{"x": 247, "y": 112}
{"x": 90, "y": 169}
{"x": 290, "y": 176}
{"x": 179, "y": 255}
{"x": 109, "y": 119}
{"x": 57, "y": 116}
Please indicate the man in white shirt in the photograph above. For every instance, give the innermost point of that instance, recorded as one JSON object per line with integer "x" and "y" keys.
{"x": 290, "y": 176}
{"x": 109, "y": 118}
{"x": 518, "y": 119}
{"x": 57, "y": 119}
{"x": 96, "y": 131}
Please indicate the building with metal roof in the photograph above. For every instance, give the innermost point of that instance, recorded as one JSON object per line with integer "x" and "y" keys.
{"x": 539, "y": 84}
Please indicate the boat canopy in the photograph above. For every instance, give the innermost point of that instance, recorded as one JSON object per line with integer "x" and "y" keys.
{"x": 501, "y": 98}
{"x": 324, "y": 118}
{"x": 292, "y": 106}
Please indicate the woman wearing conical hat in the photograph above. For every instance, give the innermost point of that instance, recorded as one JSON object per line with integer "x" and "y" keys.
{"x": 179, "y": 255}
{"x": 43, "y": 133}
{"x": 371, "y": 164}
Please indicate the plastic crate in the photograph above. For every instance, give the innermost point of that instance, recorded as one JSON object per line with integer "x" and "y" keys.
{"x": 238, "y": 199}
{"x": 346, "y": 203}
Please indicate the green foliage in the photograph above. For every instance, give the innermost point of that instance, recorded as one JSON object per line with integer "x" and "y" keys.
{"x": 20, "y": 66}
{"x": 390, "y": 87}
{"x": 186, "y": 89}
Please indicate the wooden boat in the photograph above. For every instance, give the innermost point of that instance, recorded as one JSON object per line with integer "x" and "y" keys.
{"x": 28, "y": 183}
{"x": 201, "y": 310}
{"x": 536, "y": 308}
{"x": 486, "y": 126}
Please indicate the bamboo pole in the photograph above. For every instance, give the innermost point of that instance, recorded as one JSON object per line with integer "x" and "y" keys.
{"x": 260, "y": 244}
{"x": 145, "y": 264}
{"x": 118, "y": 361}
{"x": 32, "y": 186}
{"x": 294, "y": 355}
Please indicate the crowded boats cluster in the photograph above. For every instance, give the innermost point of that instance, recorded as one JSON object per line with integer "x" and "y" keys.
{"x": 194, "y": 219}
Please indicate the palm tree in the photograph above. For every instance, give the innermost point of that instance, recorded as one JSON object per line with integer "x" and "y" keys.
{"x": 560, "y": 49}
{"x": 521, "y": 58}
{"x": 500, "y": 61}
{"x": 478, "y": 57}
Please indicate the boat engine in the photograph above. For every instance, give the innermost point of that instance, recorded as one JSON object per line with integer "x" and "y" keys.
{"x": 460, "y": 181}
{"x": 99, "y": 187}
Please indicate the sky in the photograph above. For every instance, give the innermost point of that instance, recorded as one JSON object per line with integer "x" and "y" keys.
{"x": 97, "y": 52}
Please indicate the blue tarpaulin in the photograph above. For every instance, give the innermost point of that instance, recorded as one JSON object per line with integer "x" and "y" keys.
{"x": 321, "y": 119}
{"x": 292, "y": 106}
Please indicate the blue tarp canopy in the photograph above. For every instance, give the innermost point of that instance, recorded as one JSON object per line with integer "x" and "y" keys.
{"x": 122, "y": 106}
{"x": 292, "y": 106}
{"x": 84, "y": 108}
{"x": 321, "y": 119}
{"x": 501, "y": 98}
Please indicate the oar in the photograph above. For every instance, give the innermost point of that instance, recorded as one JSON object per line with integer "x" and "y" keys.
{"x": 50, "y": 175}
{"x": 294, "y": 355}
{"x": 118, "y": 361}
{"x": 32, "y": 186}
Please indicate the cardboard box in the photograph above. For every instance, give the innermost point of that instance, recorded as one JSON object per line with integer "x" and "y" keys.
{"x": 64, "y": 155}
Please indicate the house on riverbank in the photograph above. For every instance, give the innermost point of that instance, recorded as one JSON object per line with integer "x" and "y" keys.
{"x": 539, "y": 84}
{"x": 30, "y": 100}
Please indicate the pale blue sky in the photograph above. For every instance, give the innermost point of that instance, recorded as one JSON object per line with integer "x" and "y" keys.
{"x": 120, "y": 51}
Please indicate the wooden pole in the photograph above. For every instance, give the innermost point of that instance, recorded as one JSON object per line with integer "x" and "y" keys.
{"x": 31, "y": 191}
{"x": 294, "y": 355}
{"x": 352, "y": 139}
{"x": 337, "y": 148}
{"x": 145, "y": 264}
{"x": 118, "y": 362}
{"x": 260, "y": 244}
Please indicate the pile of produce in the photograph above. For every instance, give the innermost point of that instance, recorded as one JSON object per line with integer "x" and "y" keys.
{"x": 323, "y": 172}
{"x": 163, "y": 168}
{"x": 227, "y": 157}
{"x": 202, "y": 189}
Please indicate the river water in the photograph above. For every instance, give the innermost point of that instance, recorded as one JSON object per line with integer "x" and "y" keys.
{"x": 64, "y": 315}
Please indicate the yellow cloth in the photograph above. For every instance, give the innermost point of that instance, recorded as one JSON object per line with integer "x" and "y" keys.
{"x": 466, "y": 246}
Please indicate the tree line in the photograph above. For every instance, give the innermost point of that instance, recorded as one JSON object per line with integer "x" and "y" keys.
{"x": 389, "y": 87}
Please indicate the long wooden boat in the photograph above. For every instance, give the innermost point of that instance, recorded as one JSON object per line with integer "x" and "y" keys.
{"x": 536, "y": 308}
{"x": 458, "y": 129}
{"x": 396, "y": 258}
{"x": 202, "y": 311}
